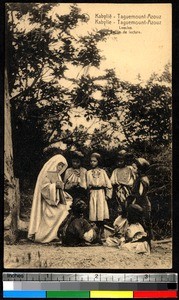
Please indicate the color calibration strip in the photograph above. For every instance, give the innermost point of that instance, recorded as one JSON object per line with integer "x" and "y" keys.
{"x": 90, "y": 285}
{"x": 91, "y": 294}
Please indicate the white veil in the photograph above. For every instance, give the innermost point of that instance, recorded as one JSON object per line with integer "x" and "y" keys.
{"x": 36, "y": 210}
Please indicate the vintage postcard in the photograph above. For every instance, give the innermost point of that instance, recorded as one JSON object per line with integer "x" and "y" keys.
{"x": 88, "y": 140}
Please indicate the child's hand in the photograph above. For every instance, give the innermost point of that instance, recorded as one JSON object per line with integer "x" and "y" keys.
{"x": 59, "y": 185}
{"x": 122, "y": 241}
{"x": 74, "y": 183}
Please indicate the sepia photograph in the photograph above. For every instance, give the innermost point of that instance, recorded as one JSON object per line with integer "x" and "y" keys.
{"x": 88, "y": 136}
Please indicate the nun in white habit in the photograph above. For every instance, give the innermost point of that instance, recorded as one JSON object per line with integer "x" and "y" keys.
{"x": 51, "y": 203}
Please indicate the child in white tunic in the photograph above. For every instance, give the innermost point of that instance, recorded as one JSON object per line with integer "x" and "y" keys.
{"x": 100, "y": 189}
{"x": 75, "y": 177}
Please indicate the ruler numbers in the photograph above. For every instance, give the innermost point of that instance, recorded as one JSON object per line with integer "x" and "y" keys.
{"x": 94, "y": 277}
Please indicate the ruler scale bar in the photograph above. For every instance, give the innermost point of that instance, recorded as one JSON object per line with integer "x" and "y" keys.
{"x": 92, "y": 277}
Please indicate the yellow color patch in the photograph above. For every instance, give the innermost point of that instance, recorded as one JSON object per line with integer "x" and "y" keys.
{"x": 111, "y": 294}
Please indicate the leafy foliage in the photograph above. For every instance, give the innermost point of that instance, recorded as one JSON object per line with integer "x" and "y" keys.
{"x": 148, "y": 114}
{"x": 37, "y": 60}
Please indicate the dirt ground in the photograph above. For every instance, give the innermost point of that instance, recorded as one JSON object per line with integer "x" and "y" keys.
{"x": 26, "y": 254}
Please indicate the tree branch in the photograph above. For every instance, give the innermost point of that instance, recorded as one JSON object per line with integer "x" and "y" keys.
{"x": 50, "y": 135}
{"x": 158, "y": 189}
{"x": 126, "y": 136}
{"x": 25, "y": 92}
{"x": 95, "y": 121}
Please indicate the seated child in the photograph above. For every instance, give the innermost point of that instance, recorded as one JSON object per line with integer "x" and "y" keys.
{"x": 120, "y": 227}
{"x": 130, "y": 234}
{"x": 78, "y": 230}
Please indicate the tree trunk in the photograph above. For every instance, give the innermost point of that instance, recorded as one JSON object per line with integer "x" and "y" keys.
{"x": 11, "y": 187}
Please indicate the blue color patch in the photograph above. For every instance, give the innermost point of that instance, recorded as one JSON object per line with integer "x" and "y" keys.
{"x": 24, "y": 294}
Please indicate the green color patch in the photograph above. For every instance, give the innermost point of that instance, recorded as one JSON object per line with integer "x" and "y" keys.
{"x": 68, "y": 294}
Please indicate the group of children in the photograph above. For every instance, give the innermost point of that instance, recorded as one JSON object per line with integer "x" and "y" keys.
{"x": 93, "y": 191}
{"x": 76, "y": 205}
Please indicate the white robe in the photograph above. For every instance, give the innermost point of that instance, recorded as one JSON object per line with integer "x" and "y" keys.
{"x": 47, "y": 213}
{"x": 100, "y": 187}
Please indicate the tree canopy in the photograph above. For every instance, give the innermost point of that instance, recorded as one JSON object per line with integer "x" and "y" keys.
{"x": 39, "y": 44}
{"x": 51, "y": 106}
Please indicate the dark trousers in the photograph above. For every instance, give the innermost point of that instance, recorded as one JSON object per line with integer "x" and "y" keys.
{"x": 147, "y": 224}
{"x": 100, "y": 226}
